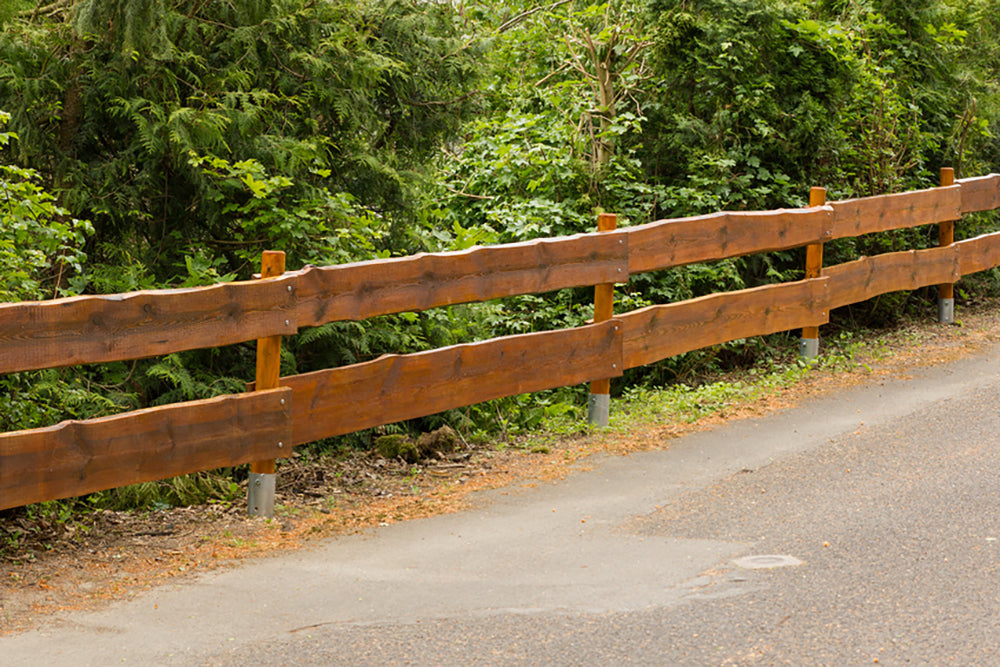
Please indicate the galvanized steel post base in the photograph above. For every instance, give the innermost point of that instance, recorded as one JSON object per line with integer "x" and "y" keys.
{"x": 946, "y": 311}
{"x": 809, "y": 348}
{"x": 260, "y": 495}
{"x": 599, "y": 409}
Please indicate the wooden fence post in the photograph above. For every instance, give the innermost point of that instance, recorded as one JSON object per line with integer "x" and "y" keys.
{"x": 261, "y": 485}
{"x": 809, "y": 344}
{"x": 946, "y": 236}
{"x": 599, "y": 402}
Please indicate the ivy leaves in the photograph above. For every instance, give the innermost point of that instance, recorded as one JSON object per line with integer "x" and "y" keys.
{"x": 39, "y": 240}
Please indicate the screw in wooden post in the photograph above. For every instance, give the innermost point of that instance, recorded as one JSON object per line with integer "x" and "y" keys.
{"x": 809, "y": 343}
{"x": 946, "y": 236}
{"x": 260, "y": 489}
{"x": 599, "y": 402}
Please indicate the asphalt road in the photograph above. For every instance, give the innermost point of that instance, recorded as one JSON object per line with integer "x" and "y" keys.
{"x": 881, "y": 502}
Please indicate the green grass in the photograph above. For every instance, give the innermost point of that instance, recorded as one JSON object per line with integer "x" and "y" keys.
{"x": 717, "y": 393}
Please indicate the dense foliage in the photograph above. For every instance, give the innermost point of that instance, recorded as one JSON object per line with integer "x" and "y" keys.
{"x": 317, "y": 106}
{"x": 193, "y": 134}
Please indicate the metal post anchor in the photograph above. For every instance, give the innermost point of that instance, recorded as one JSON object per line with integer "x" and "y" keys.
{"x": 809, "y": 348}
{"x": 260, "y": 494}
{"x": 946, "y": 311}
{"x": 599, "y": 409}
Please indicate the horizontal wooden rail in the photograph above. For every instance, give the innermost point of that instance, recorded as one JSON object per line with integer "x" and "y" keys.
{"x": 658, "y": 332}
{"x": 667, "y": 243}
{"x": 380, "y": 287}
{"x": 981, "y": 193}
{"x": 78, "y": 457}
{"x": 868, "y": 277}
{"x": 979, "y": 253}
{"x": 854, "y": 217}
{"x": 98, "y": 329}
{"x": 397, "y": 387}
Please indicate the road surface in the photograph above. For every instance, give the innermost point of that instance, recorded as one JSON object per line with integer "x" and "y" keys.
{"x": 854, "y": 529}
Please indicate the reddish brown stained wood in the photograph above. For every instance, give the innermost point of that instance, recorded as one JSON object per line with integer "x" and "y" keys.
{"x": 854, "y": 217}
{"x": 666, "y": 243}
{"x": 978, "y": 254}
{"x": 366, "y": 289}
{"x": 946, "y": 233}
{"x": 272, "y": 265}
{"x": 95, "y": 329}
{"x": 397, "y": 387}
{"x": 981, "y": 193}
{"x": 814, "y": 255}
{"x": 78, "y": 457}
{"x": 604, "y": 300}
{"x": 658, "y": 332}
{"x": 868, "y": 277}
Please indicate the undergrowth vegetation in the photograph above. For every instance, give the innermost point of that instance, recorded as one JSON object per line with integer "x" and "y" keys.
{"x": 166, "y": 143}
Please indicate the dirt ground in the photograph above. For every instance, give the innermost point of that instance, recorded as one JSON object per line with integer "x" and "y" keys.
{"x": 106, "y": 556}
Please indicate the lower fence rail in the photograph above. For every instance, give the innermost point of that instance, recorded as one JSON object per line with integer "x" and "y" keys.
{"x": 74, "y": 458}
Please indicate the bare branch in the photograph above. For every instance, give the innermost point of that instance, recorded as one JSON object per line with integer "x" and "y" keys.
{"x": 48, "y": 10}
{"x": 551, "y": 74}
{"x": 577, "y": 62}
{"x": 525, "y": 14}
{"x": 468, "y": 194}
{"x": 445, "y": 103}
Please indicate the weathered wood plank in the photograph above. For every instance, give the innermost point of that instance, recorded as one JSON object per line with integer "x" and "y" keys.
{"x": 868, "y": 277}
{"x": 96, "y": 329}
{"x": 79, "y": 457}
{"x": 397, "y": 387}
{"x": 979, "y": 253}
{"x": 854, "y": 217}
{"x": 666, "y": 243}
{"x": 981, "y": 193}
{"x": 658, "y": 332}
{"x": 366, "y": 289}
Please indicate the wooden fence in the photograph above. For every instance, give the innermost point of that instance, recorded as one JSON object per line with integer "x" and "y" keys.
{"x": 78, "y": 457}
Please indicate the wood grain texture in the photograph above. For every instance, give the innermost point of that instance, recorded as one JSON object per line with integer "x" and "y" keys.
{"x": 868, "y": 277}
{"x": 396, "y": 387}
{"x": 946, "y": 233}
{"x": 366, "y": 289}
{"x": 78, "y": 457}
{"x": 854, "y": 217}
{"x": 979, "y": 253}
{"x": 658, "y": 332}
{"x": 96, "y": 329}
{"x": 981, "y": 193}
{"x": 814, "y": 256}
{"x": 272, "y": 265}
{"x": 704, "y": 238}
{"x": 604, "y": 300}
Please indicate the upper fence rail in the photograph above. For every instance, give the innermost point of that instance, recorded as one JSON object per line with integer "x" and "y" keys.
{"x": 980, "y": 193}
{"x": 117, "y": 327}
{"x": 429, "y": 280}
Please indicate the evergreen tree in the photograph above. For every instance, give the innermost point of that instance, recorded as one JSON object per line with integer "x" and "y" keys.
{"x": 116, "y": 101}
